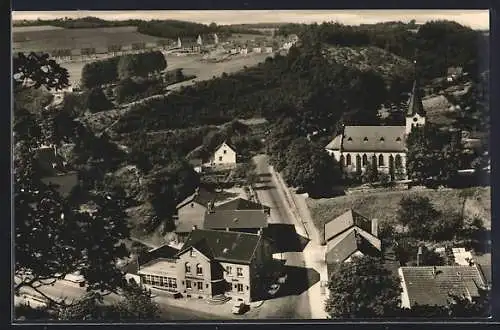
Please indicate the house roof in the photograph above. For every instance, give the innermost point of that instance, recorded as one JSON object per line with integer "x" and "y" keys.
{"x": 431, "y": 285}
{"x": 374, "y": 138}
{"x": 415, "y": 104}
{"x": 223, "y": 245}
{"x": 64, "y": 183}
{"x": 226, "y": 143}
{"x": 200, "y": 196}
{"x": 346, "y": 221}
{"x": 351, "y": 242}
{"x": 486, "y": 271}
{"x": 335, "y": 144}
{"x": 241, "y": 204}
{"x": 235, "y": 219}
{"x": 162, "y": 252}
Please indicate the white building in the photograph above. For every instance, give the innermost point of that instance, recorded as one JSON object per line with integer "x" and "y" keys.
{"x": 257, "y": 50}
{"x": 224, "y": 155}
{"x": 357, "y": 146}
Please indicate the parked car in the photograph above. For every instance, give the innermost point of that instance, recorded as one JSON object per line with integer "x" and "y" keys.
{"x": 274, "y": 289}
{"x": 239, "y": 307}
{"x": 282, "y": 278}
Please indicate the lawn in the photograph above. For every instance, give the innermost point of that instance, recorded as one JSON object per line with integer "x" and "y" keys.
{"x": 384, "y": 206}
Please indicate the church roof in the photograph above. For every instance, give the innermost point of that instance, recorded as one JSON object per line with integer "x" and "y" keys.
{"x": 415, "y": 104}
{"x": 335, "y": 144}
{"x": 374, "y": 138}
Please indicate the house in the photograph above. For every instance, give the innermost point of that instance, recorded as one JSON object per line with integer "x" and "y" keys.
{"x": 349, "y": 235}
{"x": 268, "y": 49}
{"x": 210, "y": 264}
{"x": 357, "y": 146}
{"x": 191, "y": 212}
{"x": 237, "y": 215}
{"x": 158, "y": 270}
{"x": 257, "y": 50}
{"x": 224, "y": 154}
{"x": 433, "y": 285}
{"x": 197, "y": 164}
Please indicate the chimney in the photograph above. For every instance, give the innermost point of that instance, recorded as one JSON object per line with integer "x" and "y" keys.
{"x": 227, "y": 228}
{"x": 419, "y": 253}
{"x": 375, "y": 227}
{"x": 195, "y": 227}
{"x": 434, "y": 272}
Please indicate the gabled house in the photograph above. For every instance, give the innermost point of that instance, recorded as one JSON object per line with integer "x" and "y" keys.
{"x": 433, "y": 285}
{"x": 237, "y": 215}
{"x": 224, "y": 154}
{"x": 212, "y": 263}
{"x": 191, "y": 211}
{"x": 349, "y": 235}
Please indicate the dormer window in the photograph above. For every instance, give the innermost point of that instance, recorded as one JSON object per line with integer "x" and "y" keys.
{"x": 382, "y": 139}
{"x": 365, "y": 139}
{"x": 398, "y": 139}
{"x": 349, "y": 139}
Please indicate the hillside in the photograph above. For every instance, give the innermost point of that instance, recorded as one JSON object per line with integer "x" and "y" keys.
{"x": 365, "y": 58}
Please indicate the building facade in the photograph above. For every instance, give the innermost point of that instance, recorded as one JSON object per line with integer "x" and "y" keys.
{"x": 358, "y": 146}
{"x": 224, "y": 155}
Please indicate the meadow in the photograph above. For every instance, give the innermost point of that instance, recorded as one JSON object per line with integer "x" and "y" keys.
{"x": 45, "y": 39}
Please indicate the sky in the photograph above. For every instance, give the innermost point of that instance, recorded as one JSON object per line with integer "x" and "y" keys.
{"x": 476, "y": 19}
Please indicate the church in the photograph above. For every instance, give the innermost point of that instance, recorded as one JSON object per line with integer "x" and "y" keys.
{"x": 357, "y": 146}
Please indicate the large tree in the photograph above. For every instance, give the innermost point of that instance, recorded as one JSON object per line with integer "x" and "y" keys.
{"x": 363, "y": 288}
{"x": 309, "y": 168}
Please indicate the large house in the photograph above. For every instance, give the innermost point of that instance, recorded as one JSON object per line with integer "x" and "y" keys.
{"x": 190, "y": 213}
{"x": 224, "y": 154}
{"x": 349, "y": 235}
{"x": 211, "y": 263}
{"x": 357, "y": 146}
{"x": 434, "y": 285}
{"x": 237, "y": 215}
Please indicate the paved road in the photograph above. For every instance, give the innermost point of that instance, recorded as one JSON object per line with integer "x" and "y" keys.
{"x": 292, "y": 306}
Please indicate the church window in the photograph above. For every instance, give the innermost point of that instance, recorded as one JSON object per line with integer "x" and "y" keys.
{"x": 365, "y": 160}
{"x": 342, "y": 161}
{"x": 381, "y": 160}
{"x": 374, "y": 160}
{"x": 348, "y": 160}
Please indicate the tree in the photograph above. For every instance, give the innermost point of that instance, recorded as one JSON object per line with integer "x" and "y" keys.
{"x": 36, "y": 70}
{"x": 363, "y": 288}
{"x": 96, "y": 100}
{"x": 310, "y": 168}
{"x": 371, "y": 171}
{"x": 417, "y": 214}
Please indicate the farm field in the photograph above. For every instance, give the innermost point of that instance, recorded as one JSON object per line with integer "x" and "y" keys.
{"x": 384, "y": 206}
{"x": 45, "y": 39}
{"x": 192, "y": 65}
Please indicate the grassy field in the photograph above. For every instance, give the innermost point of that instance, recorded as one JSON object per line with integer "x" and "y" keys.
{"x": 384, "y": 206}
{"x": 45, "y": 39}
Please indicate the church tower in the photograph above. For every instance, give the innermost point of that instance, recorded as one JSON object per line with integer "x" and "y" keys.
{"x": 415, "y": 114}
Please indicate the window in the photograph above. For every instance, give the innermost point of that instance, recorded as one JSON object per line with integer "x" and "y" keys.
{"x": 220, "y": 159}
{"x": 188, "y": 267}
{"x": 206, "y": 286}
{"x": 365, "y": 139}
{"x": 239, "y": 287}
{"x": 224, "y": 152}
{"x": 200, "y": 286}
{"x": 398, "y": 139}
{"x": 239, "y": 271}
{"x": 348, "y": 160}
{"x": 199, "y": 270}
{"x": 374, "y": 160}
{"x": 229, "y": 270}
{"x": 380, "y": 160}
{"x": 382, "y": 139}
{"x": 349, "y": 139}
{"x": 188, "y": 284}
{"x": 365, "y": 160}
{"x": 342, "y": 161}
{"x": 415, "y": 118}
{"x": 192, "y": 253}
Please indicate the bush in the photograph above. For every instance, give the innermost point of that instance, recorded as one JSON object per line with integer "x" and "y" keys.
{"x": 130, "y": 90}
{"x": 96, "y": 100}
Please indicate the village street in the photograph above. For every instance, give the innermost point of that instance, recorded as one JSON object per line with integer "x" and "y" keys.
{"x": 306, "y": 264}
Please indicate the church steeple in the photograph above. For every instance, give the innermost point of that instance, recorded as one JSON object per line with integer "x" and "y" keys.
{"x": 415, "y": 114}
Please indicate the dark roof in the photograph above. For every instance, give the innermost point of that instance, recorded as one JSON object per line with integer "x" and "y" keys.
{"x": 64, "y": 183}
{"x": 201, "y": 196}
{"x": 350, "y": 244}
{"x": 241, "y": 204}
{"x": 223, "y": 245}
{"x": 195, "y": 162}
{"x": 425, "y": 288}
{"x": 345, "y": 221}
{"x": 235, "y": 219}
{"x": 415, "y": 104}
{"x": 163, "y": 252}
{"x": 486, "y": 271}
{"x": 132, "y": 267}
{"x": 374, "y": 138}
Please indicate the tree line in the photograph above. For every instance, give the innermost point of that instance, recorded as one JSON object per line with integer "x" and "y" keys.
{"x": 437, "y": 45}
{"x": 98, "y": 73}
